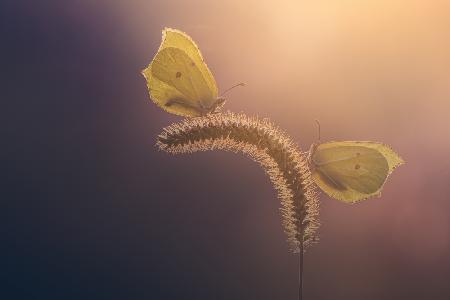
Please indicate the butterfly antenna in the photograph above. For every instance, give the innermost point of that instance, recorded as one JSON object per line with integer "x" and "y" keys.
{"x": 229, "y": 89}
{"x": 318, "y": 127}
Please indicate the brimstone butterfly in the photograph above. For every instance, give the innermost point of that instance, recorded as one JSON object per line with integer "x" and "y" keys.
{"x": 351, "y": 171}
{"x": 178, "y": 79}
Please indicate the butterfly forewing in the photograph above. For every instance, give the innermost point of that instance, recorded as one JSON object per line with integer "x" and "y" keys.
{"x": 173, "y": 67}
{"x": 178, "y": 39}
{"x": 358, "y": 168}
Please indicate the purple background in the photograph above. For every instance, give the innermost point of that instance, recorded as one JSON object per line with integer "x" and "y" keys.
{"x": 91, "y": 209}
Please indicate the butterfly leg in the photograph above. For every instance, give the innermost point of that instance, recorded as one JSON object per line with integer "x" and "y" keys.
{"x": 216, "y": 106}
{"x": 180, "y": 102}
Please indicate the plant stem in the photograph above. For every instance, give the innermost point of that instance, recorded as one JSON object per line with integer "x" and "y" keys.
{"x": 300, "y": 271}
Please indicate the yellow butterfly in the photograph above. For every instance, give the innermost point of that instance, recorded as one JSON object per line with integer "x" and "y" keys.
{"x": 352, "y": 171}
{"x": 178, "y": 79}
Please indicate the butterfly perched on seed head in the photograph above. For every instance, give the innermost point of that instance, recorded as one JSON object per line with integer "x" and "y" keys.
{"x": 179, "y": 80}
{"x": 352, "y": 171}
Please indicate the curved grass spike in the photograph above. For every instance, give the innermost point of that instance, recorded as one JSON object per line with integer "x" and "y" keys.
{"x": 272, "y": 149}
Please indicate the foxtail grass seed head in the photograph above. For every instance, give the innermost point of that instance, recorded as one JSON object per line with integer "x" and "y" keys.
{"x": 266, "y": 144}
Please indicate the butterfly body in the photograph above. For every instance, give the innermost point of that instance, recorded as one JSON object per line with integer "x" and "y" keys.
{"x": 199, "y": 109}
{"x": 352, "y": 171}
{"x": 179, "y": 80}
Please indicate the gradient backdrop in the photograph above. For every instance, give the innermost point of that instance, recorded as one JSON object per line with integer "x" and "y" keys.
{"x": 91, "y": 210}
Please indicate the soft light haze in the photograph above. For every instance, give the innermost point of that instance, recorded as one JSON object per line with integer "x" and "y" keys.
{"x": 95, "y": 211}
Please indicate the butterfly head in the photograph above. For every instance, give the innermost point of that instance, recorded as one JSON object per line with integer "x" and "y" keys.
{"x": 219, "y": 102}
{"x": 311, "y": 152}
{"x": 313, "y": 148}
{"x": 217, "y": 106}
{"x": 214, "y": 108}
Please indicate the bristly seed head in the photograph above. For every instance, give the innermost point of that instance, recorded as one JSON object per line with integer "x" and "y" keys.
{"x": 266, "y": 144}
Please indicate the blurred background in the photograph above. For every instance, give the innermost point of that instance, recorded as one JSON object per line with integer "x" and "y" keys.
{"x": 92, "y": 210}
